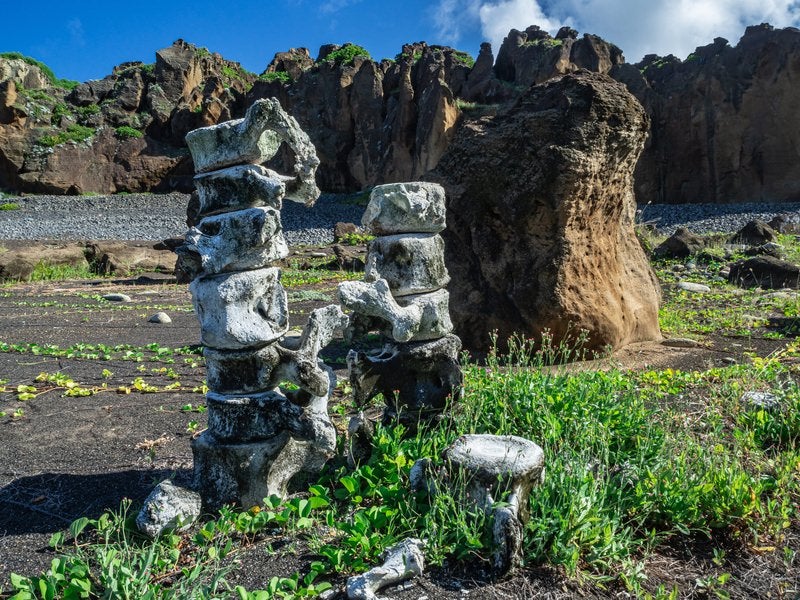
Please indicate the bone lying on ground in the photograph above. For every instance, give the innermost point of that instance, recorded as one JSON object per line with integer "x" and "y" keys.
{"x": 401, "y": 561}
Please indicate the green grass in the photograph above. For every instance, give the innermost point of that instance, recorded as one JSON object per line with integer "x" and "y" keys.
{"x": 46, "y": 271}
{"x": 9, "y": 206}
{"x": 293, "y": 277}
{"x": 464, "y": 58}
{"x": 630, "y": 467}
{"x": 66, "y": 84}
{"x": 281, "y": 76}
{"x": 73, "y": 133}
{"x": 126, "y": 132}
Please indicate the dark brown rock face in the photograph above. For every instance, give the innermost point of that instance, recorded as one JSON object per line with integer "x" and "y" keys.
{"x": 121, "y": 133}
{"x": 725, "y": 123}
{"x": 540, "y": 215}
{"x": 374, "y": 122}
{"x": 532, "y": 56}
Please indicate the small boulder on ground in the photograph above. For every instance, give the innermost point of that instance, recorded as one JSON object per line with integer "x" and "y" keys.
{"x": 768, "y": 249}
{"x": 680, "y": 244}
{"x": 786, "y": 223}
{"x": 168, "y": 507}
{"x": 766, "y": 272}
{"x": 756, "y": 232}
{"x": 126, "y": 258}
{"x": 348, "y": 258}
{"x": 19, "y": 260}
{"x": 342, "y": 230}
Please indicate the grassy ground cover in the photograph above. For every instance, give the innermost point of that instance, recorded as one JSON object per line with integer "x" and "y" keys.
{"x": 638, "y": 465}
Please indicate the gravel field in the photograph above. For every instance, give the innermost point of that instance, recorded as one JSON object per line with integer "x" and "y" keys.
{"x": 160, "y": 216}
{"x": 151, "y": 217}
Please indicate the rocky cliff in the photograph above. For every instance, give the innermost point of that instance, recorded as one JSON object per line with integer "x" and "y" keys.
{"x": 724, "y": 127}
{"x": 121, "y": 133}
{"x": 725, "y": 124}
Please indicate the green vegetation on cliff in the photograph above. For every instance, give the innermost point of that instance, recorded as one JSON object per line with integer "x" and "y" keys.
{"x": 347, "y": 54}
{"x": 66, "y": 84}
{"x": 73, "y": 133}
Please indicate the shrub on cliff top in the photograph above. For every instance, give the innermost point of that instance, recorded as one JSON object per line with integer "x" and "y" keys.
{"x": 66, "y": 84}
{"x": 347, "y": 54}
{"x": 126, "y": 132}
{"x": 281, "y": 76}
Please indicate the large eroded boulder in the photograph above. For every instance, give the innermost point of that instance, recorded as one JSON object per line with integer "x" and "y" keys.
{"x": 540, "y": 213}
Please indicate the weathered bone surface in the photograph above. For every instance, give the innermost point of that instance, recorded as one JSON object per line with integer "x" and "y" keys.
{"x": 241, "y": 310}
{"x": 294, "y": 361}
{"x": 413, "y": 207}
{"x": 238, "y": 241}
{"x": 434, "y": 319}
{"x": 251, "y": 417}
{"x": 294, "y": 441}
{"x": 493, "y": 467}
{"x": 239, "y": 187}
{"x": 261, "y": 439}
{"x": 415, "y": 377}
{"x": 255, "y": 139}
{"x": 410, "y": 263}
{"x": 168, "y": 507}
{"x": 241, "y": 371}
{"x": 434, "y": 322}
{"x": 375, "y": 299}
{"x": 299, "y": 362}
{"x": 401, "y": 561}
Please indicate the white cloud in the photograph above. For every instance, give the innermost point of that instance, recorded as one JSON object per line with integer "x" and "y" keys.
{"x": 75, "y": 29}
{"x": 498, "y": 18}
{"x": 639, "y": 28}
{"x": 453, "y": 17}
{"x": 675, "y": 26}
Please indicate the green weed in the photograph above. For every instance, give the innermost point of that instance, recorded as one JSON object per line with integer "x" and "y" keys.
{"x": 125, "y": 132}
{"x": 281, "y": 76}
{"x": 73, "y": 133}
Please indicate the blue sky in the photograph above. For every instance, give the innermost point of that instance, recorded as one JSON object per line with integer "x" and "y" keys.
{"x": 84, "y": 39}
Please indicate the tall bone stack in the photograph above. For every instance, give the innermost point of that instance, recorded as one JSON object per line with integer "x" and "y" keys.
{"x": 259, "y": 438}
{"x": 403, "y": 296}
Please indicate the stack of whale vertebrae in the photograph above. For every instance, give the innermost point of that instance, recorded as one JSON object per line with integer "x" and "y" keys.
{"x": 403, "y": 296}
{"x": 259, "y": 437}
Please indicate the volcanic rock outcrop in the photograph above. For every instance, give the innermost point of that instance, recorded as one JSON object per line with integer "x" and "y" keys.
{"x": 540, "y": 213}
{"x": 124, "y": 132}
{"x": 724, "y": 122}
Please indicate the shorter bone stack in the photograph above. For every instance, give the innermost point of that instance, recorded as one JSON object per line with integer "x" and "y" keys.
{"x": 404, "y": 297}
